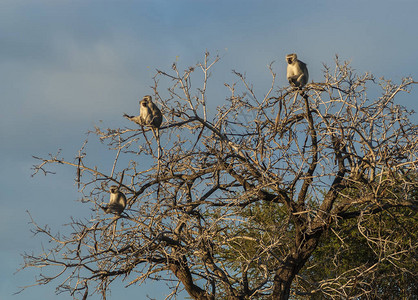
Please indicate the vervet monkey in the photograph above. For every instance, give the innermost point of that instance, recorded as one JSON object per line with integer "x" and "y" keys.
{"x": 297, "y": 72}
{"x": 117, "y": 202}
{"x": 149, "y": 113}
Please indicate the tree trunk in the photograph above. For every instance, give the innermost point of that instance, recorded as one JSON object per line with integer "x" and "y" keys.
{"x": 284, "y": 277}
{"x": 183, "y": 274}
{"x": 293, "y": 264}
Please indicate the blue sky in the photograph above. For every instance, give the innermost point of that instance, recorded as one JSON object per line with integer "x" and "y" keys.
{"x": 66, "y": 66}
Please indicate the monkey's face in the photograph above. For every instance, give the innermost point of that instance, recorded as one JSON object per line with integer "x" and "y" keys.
{"x": 145, "y": 101}
{"x": 290, "y": 58}
{"x": 114, "y": 189}
{"x": 147, "y": 98}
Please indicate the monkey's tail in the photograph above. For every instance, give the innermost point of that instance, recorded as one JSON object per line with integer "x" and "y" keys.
{"x": 156, "y": 133}
{"x": 158, "y": 162}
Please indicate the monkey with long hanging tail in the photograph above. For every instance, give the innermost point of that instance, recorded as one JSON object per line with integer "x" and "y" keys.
{"x": 149, "y": 115}
{"x": 297, "y": 75}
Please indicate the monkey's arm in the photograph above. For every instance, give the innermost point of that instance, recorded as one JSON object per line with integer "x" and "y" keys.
{"x": 293, "y": 80}
{"x": 303, "y": 78}
{"x": 136, "y": 119}
{"x": 113, "y": 208}
{"x": 105, "y": 208}
{"x": 293, "y": 77}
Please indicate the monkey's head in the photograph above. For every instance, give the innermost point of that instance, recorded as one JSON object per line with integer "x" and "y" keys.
{"x": 114, "y": 189}
{"x": 146, "y": 100}
{"x": 291, "y": 58}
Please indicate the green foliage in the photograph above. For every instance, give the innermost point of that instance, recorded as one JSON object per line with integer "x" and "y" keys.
{"x": 369, "y": 255}
{"x": 256, "y": 240}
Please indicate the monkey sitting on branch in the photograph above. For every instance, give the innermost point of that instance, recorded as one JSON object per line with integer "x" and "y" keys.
{"x": 298, "y": 76}
{"x": 149, "y": 114}
{"x": 117, "y": 202}
{"x": 297, "y": 72}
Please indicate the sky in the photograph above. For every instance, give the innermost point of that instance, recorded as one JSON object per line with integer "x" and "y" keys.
{"x": 66, "y": 66}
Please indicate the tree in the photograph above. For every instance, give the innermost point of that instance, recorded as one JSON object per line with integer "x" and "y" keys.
{"x": 355, "y": 256}
{"x": 367, "y": 258}
{"x": 235, "y": 206}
